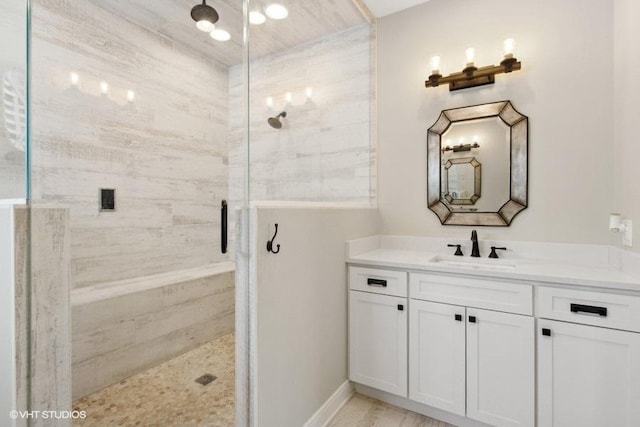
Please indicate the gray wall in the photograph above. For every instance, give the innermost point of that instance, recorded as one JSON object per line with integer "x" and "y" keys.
{"x": 301, "y": 297}
{"x": 570, "y": 117}
{"x": 165, "y": 154}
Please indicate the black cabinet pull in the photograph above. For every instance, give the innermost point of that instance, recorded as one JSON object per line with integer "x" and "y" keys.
{"x": 377, "y": 282}
{"x": 472, "y": 319}
{"x": 580, "y": 308}
{"x": 459, "y": 317}
{"x": 546, "y": 332}
{"x": 223, "y": 227}
{"x": 400, "y": 307}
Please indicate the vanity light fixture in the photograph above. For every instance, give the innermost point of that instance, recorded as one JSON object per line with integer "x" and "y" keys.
{"x": 461, "y": 147}
{"x": 75, "y": 79}
{"x": 308, "y": 92}
{"x": 131, "y": 96}
{"x": 205, "y": 16}
{"x": 472, "y": 76}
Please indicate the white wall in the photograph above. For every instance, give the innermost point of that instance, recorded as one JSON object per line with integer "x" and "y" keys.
{"x": 302, "y": 308}
{"x": 564, "y": 88}
{"x": 627, "y": 112}
{"x": 165, "y": 154}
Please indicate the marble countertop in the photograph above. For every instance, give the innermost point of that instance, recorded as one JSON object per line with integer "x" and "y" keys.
{"x": 588, "y": 271}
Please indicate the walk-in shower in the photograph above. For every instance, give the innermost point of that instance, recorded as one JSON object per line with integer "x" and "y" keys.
{"x": 150, "y": 303}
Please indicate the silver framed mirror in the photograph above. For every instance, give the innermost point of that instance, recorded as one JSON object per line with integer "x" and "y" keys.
{"x": 477, "y": 165}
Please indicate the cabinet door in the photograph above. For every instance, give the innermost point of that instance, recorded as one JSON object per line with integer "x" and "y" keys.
{"x": 500, "y": 368}
{"x": 437, "y": 355}
{"x": 378, "y": 341}
{"x": 587, "y": 376}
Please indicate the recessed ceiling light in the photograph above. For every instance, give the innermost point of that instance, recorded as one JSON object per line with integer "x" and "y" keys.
{"x": 256, "y": 18}
{"x": 220, "y": 35}
{"x": 276, "y": 11}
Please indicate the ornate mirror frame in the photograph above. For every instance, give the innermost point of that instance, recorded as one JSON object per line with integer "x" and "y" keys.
{"x": 519, "y": 135}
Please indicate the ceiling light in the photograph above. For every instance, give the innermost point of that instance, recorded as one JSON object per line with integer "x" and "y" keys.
{"x": 220, "y": 35}
{"x": 256, "y": 18}
{"x": 205, "y": 26}
{"x": 205, "y": 16}
{"x": 276, "y": 11}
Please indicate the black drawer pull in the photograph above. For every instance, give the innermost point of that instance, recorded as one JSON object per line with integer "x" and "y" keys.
{"x": 458, "y": 317}
{"x": 400, "y": 307}
{"x": 546, "y": 332}
{"x": 377, "y": 282}
{"x": 472, "y": 319}
{"x": 577, "y": 308}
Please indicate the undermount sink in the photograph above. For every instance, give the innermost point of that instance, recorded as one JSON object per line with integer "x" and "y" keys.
{"x": 478, "y": 264}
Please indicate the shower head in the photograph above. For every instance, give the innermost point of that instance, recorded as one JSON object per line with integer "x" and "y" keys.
{"x": 275, "y": 122}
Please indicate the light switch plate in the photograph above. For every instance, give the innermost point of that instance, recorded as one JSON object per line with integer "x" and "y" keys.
{"x": 627, "y": 236}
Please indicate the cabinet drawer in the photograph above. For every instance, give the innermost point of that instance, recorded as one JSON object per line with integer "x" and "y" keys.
{"x": 590, "y": 308}
{"x": 480, "y": 293}
{"x": 386, "y": 282}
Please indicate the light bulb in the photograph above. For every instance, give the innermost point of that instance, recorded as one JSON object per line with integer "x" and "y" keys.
{"x": 309, "y": 92}
{"x": 288, "y": 97}
{"x": 475, "y": 138}
{"x": 205, "y": 25}
{"x": 435, "y": 65}
{"x": 104, "y": 88}
{"x": 256, "y": 18}
{"x": 470, "y": 53}
{"x": 276, "y": 11}
{"x": 75, "y": 79}
{"x": 131, "y": 96}
{"x": 220, "y": 35}
{"x": 270, "y": 101}
{"x": 509, "y": 45}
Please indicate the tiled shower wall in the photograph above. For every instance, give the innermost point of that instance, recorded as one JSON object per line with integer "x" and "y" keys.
{"x": 12, "y": 72}
{"x": 165, "y": 153}
{"x": 324, "y": 152}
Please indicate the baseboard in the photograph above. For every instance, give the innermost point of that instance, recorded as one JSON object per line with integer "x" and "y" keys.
{"x": 325, "y": 414}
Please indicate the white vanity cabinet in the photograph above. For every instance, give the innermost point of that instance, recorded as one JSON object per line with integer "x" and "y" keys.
{"x": 588, "y": 376}
{"x": 472, "y": 361}
{"x": 378, "y": 329}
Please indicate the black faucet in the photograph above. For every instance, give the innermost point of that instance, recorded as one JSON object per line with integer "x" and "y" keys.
{"x": 475, "y": 251}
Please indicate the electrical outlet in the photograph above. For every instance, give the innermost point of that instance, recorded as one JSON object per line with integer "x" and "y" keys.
{"x": 627, "y": 235}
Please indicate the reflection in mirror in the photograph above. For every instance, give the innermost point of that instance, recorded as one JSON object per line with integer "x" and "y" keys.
{"x": 462, "y": 185}
{"x": 477, "y": 163}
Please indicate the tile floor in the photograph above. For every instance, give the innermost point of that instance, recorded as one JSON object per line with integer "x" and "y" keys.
{"x": 362, "y": 411}
{"x": 167, "y": 394}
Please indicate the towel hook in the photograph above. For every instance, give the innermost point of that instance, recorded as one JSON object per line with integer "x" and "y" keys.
{"x": 270, "y": 243}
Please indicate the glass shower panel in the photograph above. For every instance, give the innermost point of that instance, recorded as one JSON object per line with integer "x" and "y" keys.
{"x": 312, "y": 101}
{"x": 13, "y": 124}
{"x": 130, "y": 107}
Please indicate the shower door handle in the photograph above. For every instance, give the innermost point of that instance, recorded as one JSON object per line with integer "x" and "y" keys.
{"x": 223, "y": 227}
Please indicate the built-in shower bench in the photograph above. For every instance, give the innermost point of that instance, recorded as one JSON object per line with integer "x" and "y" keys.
{"x": 124, "y": 327}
